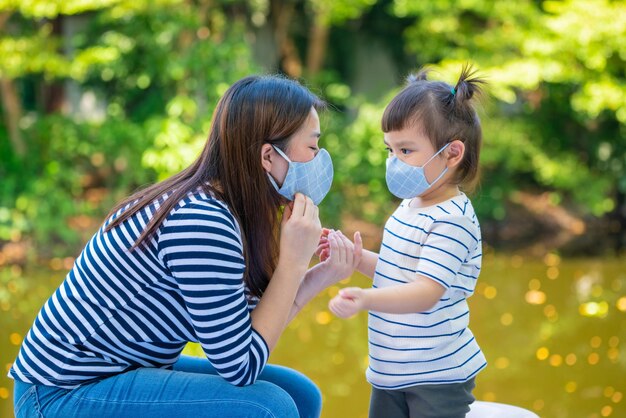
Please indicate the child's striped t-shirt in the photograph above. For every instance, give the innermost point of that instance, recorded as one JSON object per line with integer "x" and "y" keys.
{"x": 440, "y": 243}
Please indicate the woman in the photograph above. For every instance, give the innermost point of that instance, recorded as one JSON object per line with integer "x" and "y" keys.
{"x": 202, "y": 256}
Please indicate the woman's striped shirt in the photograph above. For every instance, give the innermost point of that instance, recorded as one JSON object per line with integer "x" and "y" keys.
{"x": 118, "y": 310}
{"x": 440, "y": 243}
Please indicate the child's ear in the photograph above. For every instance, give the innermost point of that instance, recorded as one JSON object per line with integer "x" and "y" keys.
{"x": 455, "y": 153}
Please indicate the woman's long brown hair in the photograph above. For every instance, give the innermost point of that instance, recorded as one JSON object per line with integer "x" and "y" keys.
{"x": 253, "y": 111}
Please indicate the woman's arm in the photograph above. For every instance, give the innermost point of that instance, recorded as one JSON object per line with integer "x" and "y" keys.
{"x": 300, "y": 232}
{"x": 343, "y": 258}
{"x": 312, "y": 284}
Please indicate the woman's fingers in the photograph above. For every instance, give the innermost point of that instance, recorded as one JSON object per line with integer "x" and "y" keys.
{"x": 337, "y": 252}
{"x": 348, "y": 248}
{"x": 301, "y": 231}
{"x": 299, "y": 205}
{"x": 309, "y": 209}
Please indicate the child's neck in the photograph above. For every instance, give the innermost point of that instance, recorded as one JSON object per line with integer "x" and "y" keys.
{"x": 435, "y": 196}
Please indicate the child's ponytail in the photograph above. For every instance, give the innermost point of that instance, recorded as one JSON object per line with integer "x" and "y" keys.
{"x": 468, "y": 86}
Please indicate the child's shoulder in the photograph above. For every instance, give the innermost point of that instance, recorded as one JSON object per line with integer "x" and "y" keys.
{"x": 457, "y": 212}
{"x": 459, "y": 205}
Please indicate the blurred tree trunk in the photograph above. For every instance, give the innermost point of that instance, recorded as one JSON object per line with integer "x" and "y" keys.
{"x": 318, "y": 41}
{"x": 53, "y": 93}
{"x": 12, "y": 114}
{"x": 11, "y": 104}
{"x": 282, "y": 14}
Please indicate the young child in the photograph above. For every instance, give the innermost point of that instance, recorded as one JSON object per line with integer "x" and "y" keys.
{"x": 423, "y": 356}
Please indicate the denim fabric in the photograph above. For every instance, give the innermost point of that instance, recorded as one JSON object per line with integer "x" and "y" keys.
{"x": 191, "y": 390}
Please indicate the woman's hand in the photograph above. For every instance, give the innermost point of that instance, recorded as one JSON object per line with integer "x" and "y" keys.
{"x": 299, "y": 232}
{"x": 348, "y": 302}
{"x": 338, "y": 255}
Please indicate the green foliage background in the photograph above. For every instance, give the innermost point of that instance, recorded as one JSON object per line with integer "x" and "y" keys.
{"x": 554, "y": 124}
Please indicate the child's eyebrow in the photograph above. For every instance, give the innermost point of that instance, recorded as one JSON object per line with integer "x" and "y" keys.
{"x": 401, "y": 144}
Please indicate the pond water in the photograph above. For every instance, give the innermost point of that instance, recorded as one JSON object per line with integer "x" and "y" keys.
{"x": 553, "y": 331}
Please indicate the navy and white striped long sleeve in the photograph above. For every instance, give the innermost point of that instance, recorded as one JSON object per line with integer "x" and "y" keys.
{"x": 118, "y": 309}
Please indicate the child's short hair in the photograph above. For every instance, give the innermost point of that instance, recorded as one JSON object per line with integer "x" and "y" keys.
{"x": 444, "y": 113}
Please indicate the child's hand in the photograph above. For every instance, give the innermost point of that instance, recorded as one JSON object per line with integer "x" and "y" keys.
{"x": 323, "y": 247}
{"x": 348, "y": 302}
{"x": 343, "y": 256}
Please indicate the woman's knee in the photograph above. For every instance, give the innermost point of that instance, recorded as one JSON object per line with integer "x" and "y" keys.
{"x": 303, "y": 390}
{"x": 275, "y": 400}
{"x": 311, "y": 402}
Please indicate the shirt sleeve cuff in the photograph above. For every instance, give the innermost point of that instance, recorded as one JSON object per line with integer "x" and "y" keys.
{"x": 262, "y": 344}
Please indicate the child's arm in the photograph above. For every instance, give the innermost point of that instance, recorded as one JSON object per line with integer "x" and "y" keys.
{"x": 367, "y": 266}
{"x": 418, "y": 296}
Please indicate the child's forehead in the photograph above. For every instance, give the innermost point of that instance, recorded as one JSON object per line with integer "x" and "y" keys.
{"x": 411, "y": 135}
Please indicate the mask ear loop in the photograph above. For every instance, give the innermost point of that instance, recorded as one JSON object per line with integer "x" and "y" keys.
{"x": 445, "y": 170}
{"x": 282, "y": 154}
{"x": 436, "y": 154}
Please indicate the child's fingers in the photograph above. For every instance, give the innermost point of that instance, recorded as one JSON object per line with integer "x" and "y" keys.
{"x": 320, "y": 248}
{"x": 324, "y": 255}
{"x": 333, "y": 306}
{"x": 339, "y": 311}
{"x": 350, "y": 293}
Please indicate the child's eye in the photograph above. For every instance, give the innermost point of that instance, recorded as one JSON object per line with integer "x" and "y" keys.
{"x": 405, "y": 151}
{"x": 388, "y": 150}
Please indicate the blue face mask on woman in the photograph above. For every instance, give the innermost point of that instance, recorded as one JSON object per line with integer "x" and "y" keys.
{"x": 406, "y": 181}
{"x": 312, "y": 178}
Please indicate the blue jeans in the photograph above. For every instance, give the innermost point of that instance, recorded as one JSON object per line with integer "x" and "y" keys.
{"x": 192, "y": 389}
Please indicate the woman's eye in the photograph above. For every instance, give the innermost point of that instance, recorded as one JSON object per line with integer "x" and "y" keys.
{"x": 314, "y": 149}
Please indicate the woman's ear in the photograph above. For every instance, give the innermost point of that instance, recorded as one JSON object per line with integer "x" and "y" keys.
{"x": 455, "y": 153}
{"x": 266, "y": 157}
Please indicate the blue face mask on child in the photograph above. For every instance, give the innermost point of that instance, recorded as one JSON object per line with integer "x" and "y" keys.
{"x": 406, "y": 181}
{"x": 312, "y": 178}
